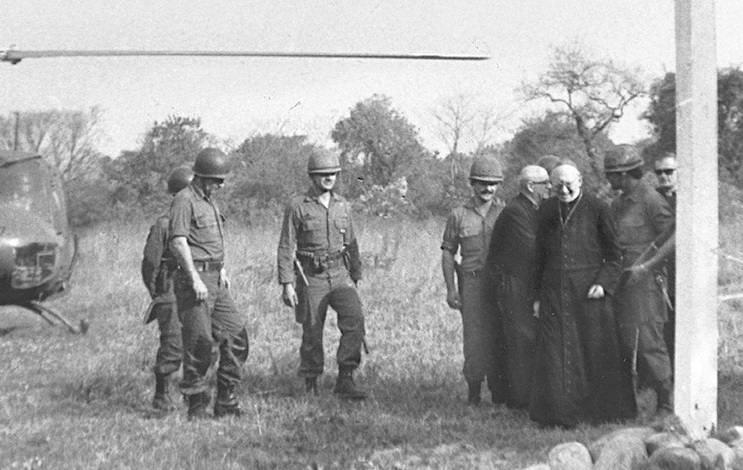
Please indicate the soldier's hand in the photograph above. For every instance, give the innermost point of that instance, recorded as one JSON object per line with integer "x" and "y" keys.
{"x": 452, "y": 298}
{"x": 224, "y": 280}
{"x": 200, "y": 289}
{"x": 535, "y": 309}
{"x": 289, "y": 296}
{"x": 596, "y": 292}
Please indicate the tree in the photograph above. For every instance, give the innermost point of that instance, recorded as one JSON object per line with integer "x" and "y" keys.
{"x": 595, "y": 92}
{"x": 377, "y": 143}
{"x": 661, "y": 114}
{"x": 66, "y": 139}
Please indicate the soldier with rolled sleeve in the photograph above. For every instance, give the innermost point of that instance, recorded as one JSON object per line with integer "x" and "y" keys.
{"x": 319, "y": 267}
{"x": 643, "y": 219}
{"x": 467, "y": 233}
{"x": 158, "y": 267}
{"x": 205, "y": 307}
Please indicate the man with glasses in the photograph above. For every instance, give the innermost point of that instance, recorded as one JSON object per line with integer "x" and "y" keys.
{"x": 319, "y": 266}
{"x": 577, "y": 367}
{"x": 205, "y": 307}
{"x": 511, "y": 263}
{"x": 643, "y": 219}
{"x": 467, "y": 233}
{"x": 665, "y": 171}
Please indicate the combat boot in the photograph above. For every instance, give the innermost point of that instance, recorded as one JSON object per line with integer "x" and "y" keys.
{"x": 473, "y": 393}
{"x": 226, "y": 403}
{"x": 310, "y": 385}
{"x": 345, "y": 387}
{"x": 197, "y": 405}
{"x": 162, "y": 401}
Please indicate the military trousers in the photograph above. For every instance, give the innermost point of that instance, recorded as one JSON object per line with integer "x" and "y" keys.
{"x": 330, "y": 288}
{"x": 212, "y": 330}
{"x": 170, "y": 351}
{"x": 515, "y": 306}
{"x": 641, "y": 316}
{"x": 483, "y": 344}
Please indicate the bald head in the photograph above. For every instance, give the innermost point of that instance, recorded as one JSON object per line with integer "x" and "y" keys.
{"x": 567, "y": 181}
{"x": 532, "y": 174}
{"x": 534, "y": 182}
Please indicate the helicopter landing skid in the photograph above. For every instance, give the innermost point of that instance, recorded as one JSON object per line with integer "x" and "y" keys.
{"x": 46, "y": 312}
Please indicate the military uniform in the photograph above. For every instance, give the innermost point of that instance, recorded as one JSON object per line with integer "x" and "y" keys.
{"x": 468, "y": 232}
{"x": 669, "y": 331}
{"x": 324, "y": 242}
{"x": 158, "y": 267}
{"x": 642, "y": 215}
{"x": 213, "y": 323}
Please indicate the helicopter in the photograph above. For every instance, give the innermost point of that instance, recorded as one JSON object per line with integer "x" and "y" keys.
{"x": 37, "y": 247}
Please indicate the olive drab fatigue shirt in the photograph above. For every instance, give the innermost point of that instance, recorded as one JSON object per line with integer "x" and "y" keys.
{"x": 470, "y": 232}
{"x": 311, "y": 228}
{"x": 196, "y": 217}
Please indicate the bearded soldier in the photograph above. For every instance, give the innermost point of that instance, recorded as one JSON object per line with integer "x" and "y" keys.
{"x": 319, "y": 267}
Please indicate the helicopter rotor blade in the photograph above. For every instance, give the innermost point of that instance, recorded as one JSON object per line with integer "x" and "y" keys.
{"x": 15, "y": 56}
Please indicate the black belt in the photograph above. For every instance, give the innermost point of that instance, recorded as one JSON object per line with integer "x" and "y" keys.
{"x": 208, "y": 265}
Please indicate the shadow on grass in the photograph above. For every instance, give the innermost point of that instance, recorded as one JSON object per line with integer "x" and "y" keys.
{"x": 729, "y": 393}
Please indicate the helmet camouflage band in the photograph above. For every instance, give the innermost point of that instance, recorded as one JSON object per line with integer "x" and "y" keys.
{"x": 487, "y": 169}
{"x": 622, "y": 158}
{"x": 323, "y": 162}
{"x": 211, "y": 163}
{"x": 179, "y": 178}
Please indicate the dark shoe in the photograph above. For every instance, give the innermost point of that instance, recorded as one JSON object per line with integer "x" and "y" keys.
{"x": 197, "y": 406}
{"x": 310, "y": 385}
{"x": 346, "y": 389}
{"x": 226, "y": 403}
{"x": 473, "y": 395}
{"x": 162, "y": 401}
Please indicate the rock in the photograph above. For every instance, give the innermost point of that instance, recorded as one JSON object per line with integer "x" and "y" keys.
{"x": 539, "y": 466}
{"x": 676, "y": 458}
{"x": 624, "y": 451}
{"x": 595, "y": 447}
{"x": 570, "y": 456}
{"x": 729, "y": 435}
{"x": 711, "y": 451}
{"x": 737, "y": 462}
{"x": 662, "y": 440}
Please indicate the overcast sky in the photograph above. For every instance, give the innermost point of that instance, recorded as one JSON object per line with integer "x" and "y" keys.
{"x": 238, "y": 97}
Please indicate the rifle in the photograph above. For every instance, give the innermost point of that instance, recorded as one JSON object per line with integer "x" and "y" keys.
{"x": 648, "y": 255}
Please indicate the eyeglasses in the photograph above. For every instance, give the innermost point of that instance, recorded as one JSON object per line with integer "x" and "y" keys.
{"x": 666, "y": 172}
{"x": 548, "y": 182}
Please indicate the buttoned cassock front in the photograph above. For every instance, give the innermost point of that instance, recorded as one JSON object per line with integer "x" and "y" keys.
{"x": 324, "y": 241}
{"x": 578, "y": 373}
{"x": 642, "y": 215}
{"x": 468, "y": 232}
{"x": 213, "y": 323}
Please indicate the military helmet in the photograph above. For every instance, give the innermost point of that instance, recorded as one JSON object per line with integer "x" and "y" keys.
{"x": 323, "y": 162}
{"x": 622, "y": 158}
{"x": 486, "y": 168}
{"x": 211, "y": 163}
{"x": 179, "y": 178}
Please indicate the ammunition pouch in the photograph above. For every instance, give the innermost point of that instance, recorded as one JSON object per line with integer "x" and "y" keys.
{"x": 165, "y": 276}
{"x": 320, "y": 261}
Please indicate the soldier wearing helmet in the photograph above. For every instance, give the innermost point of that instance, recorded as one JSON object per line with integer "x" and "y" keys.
{"x": 205, "y": 306}
{"x": 158, "y": 267}
{"x": 643, "y": 219}
{"x": 319, "y": 266}
{"x": 467, "y": 234}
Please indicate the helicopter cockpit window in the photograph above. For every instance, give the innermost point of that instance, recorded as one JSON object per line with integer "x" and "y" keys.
{"x": 18, "y": 188}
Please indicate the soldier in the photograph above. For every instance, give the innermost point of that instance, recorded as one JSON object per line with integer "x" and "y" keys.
{"x": 468, "y": 232}
{"x": 578, "y": 375}
{"x": 666, "y": 171}
{"x": 319, "y": 254}
{"x": 512, "y": 263}
{"x": 158, "y": 267}
{"x": 205, "y": 307}
{"x": 643, "y": 217}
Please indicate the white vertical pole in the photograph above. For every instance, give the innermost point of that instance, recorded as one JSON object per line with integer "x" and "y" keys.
{"x": 696, "y": 233}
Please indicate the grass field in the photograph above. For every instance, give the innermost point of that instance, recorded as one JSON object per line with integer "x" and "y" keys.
{"x": 71, "y": 401}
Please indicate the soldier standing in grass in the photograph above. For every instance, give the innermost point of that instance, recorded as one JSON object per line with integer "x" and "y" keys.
{"x": 158, "y": 267}
{"x": 205, "y": 307}
{"x": 319, "y": 254}
{"x": 578, "y": 374}
{"x": 511, "y": 263}
{"x": 643, "y": 219}
{"x": 468, "y": 232}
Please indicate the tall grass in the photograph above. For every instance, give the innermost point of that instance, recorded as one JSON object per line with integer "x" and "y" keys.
{"x": 84, "y": 401}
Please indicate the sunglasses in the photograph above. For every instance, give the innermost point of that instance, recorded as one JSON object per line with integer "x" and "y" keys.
{"x": 665, "y": 172}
